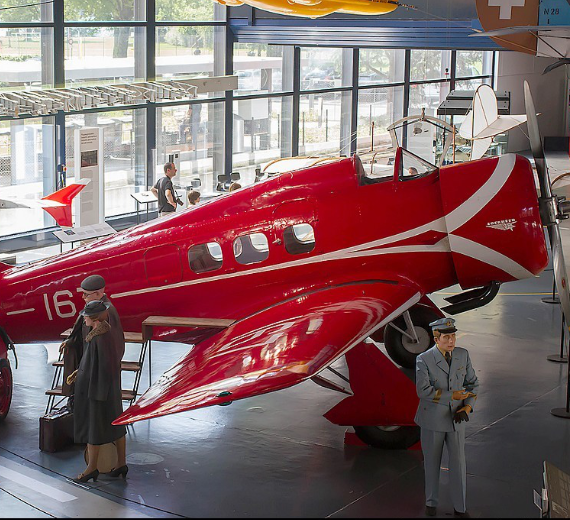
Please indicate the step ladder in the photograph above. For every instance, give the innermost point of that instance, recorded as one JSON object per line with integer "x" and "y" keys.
{"x": 130, "y": 394}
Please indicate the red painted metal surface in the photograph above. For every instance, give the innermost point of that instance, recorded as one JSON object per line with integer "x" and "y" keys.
{"x": 383, "y": 394}
{"x": 391, "y": 234}
{"x": 272, "y": 349}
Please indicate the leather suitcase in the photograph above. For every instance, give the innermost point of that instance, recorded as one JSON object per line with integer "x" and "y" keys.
{"x": 56, "y": 430}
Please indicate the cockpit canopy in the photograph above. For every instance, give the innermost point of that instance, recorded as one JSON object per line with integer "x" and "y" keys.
{"x": 409, "y": 167}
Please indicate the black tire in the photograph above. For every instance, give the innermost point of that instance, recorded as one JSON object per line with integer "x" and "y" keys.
{"x": 6, "y": 388}
{"x": 405, "y": 354}
{"x": 389, "y": 437}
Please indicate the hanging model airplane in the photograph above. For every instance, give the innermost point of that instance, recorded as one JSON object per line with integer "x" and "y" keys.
{"x": 483, "y": 121}
{"x": 287, "y": 284}
{"x": 316, "y": 8}
{"x": 58, "y": 204}
{"x": 537, "y": 27}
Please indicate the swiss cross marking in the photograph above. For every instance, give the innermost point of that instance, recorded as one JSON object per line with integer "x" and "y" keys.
{"x": 506, "y": 6}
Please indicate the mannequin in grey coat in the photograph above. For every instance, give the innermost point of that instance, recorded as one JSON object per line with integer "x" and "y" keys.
{"x": 446, "y": 385}
{"x": 98, "y": 389}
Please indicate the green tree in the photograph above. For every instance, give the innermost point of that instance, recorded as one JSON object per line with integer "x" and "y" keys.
{"x": 120, "y": 10}
{"x": 20, "y": 14}
{"x": 105, "y": 10}
{"x": 183, "y": 10}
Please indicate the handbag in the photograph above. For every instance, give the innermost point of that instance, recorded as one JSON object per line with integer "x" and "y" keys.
{"x": 56, "y": 430}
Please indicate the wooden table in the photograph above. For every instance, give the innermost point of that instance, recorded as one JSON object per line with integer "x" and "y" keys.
{"x": 177, "y": 321}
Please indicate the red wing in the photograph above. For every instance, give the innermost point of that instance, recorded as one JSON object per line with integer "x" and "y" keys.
{"x": 275, "y": 348}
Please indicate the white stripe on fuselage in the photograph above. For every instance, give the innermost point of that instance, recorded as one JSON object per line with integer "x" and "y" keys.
{"x": 455, "y": 219}
{"x": 20, "y": 312}
{"x": 474, "y": 204}
{"x": 342, "y": 254}
{"x": 488, "y": 256}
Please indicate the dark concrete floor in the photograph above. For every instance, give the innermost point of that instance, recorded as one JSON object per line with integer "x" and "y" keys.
{"x": 276, "y": 456}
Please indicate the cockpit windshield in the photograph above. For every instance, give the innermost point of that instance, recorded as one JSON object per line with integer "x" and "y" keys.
{"x": 412, "y": 167}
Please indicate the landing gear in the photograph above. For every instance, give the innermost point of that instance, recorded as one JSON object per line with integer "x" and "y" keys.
{"x": 389, "y": 437}
{"x": 5, "y": 388}
{"x": 410, "y": 335}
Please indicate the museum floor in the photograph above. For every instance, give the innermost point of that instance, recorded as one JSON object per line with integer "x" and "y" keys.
{"x": 276, "y": 456}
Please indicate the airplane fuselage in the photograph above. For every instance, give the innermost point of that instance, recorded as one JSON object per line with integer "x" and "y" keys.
{"x": 393, "y": 230}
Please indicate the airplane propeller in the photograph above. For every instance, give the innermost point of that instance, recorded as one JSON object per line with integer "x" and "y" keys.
{"x": 552, "y": 208}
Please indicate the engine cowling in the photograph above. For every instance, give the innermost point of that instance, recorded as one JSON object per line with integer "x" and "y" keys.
{"x": 493, "y": 220}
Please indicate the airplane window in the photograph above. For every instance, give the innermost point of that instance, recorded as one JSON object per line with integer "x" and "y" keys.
{"x": 413, "y": 167}
{"x": 238, "y": 249}
{"x": 252, "y": 248}
{"x": 215, "y": 250}
{"x": 205, "y": 257}
{"x": 299, "y": 238}
{"x": 259, "y": 241}
{"x": 378, "y": 169}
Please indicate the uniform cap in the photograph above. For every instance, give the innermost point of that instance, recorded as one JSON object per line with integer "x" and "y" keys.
{"x": 94, "y": 308}
{"x": 444, "y": 325}
{"x": 93, "y": 283}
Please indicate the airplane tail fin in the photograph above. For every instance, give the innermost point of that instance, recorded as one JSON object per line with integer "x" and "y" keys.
{"x": 62, "y": 214}
{"x": 483, "y": 121}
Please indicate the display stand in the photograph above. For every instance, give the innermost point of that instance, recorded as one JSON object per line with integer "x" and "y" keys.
{"x": 72, "y": 235}
{"x": 554, "y": 299}
{"x": 143, "y": 197}
{"x": 560, "y": 358}
{"x": 564, "y": 413}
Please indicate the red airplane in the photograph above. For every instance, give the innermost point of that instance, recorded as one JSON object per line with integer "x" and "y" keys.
{"x": 304, "y": 267}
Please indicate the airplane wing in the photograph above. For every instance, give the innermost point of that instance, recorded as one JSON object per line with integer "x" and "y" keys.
{"x": 28, "y": 204}
{"x": 57, "y": 204}
{"x": 275, "y": 348}
{"x": 519, "y": 29}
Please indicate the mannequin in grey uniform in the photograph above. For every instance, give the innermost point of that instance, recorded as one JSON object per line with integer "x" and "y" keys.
{"x": 446, "y": 385}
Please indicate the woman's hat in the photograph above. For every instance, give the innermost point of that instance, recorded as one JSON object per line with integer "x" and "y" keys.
{"x": 95, "y": 308}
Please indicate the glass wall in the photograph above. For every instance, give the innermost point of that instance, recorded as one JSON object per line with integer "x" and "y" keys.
{"x": 262, "y": 133}
{"x": 184, "y": 52}
{"x": 259, "y": 68}
{"x": 322, "y": 68}
{"x": 123, "y": 10}
{"x": 123, "y": 136}
{"x": 100, "y": 56}
{"x": 320, "y": 124}
{"x": 194, "y": 11}
{"x": 195, "y": 133}
{"x": 104, "y": 44}
{"x": 26, "y": 171}
{"x": 473, "y": 63}
{"x": 381, "y": 66}
{"x": 25, "y": 58}
{"x": 378, "y": 108}
{"x": 29, "y": 12}
{"x": 429, "y": 64}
